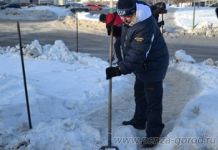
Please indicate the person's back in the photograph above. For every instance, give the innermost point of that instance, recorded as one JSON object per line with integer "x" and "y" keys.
{"x": 157, "y": 9}
{"x": 113, "y": 20}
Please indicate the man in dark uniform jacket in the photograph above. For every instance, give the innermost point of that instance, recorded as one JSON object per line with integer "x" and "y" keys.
{"x": 145, "y": 55}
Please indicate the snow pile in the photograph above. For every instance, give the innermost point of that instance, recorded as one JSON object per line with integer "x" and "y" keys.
{"x": 38, "y": 13}
{"x": 59, "y": 11}
{"x": 205, "y": 20}
{"x": 181, "y": 55}
{"x": 19, "y": 14}
{"x": 34, "y": 49}
{"x": 61, "y": 96}
{"x": 63, "y": 134}
{"x": 196, "y": 128}
{"x": 204, "y": 16}
{"x": 66, "y": 89}
{"x": 69, "y": 21}
{"x": 210, "y": 62}
{"x": 58, "y": 52}
{"x": 34, "y": 13}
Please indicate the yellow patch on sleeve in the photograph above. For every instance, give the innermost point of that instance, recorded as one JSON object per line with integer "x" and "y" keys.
{"x": 139, "y": 39}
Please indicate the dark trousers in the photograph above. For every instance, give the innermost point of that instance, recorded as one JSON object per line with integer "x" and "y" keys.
{"x": 117, "y": 48}
{"x": 217, "y": 12}
{"x": 148, "y": 99}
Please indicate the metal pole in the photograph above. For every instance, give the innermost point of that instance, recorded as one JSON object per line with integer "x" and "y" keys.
{"x": 110, "y": 86}
{"x": 162, "y": 25}
{"x": 162, "y": 19}
{"x": 193, "y": 21}
{"x": 77, "y": 34}
{"x": 110, "y": 93}
{"x": 24, "y": 75}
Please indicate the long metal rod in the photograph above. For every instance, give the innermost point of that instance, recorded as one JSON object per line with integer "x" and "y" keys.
{"x": 109, "y": 146}
{"x": 110, "y": 84}
{"x": 193, "y": 20}
{"x": 162, "y": 25}
{"x": 162, "y": 19}
{"x": 24, "y": 75}
{"x": 77, "y": 34}
{"x": 110, "y": 93}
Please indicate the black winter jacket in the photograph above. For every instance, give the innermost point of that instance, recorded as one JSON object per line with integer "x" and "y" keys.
{"x": 145, "y": 51}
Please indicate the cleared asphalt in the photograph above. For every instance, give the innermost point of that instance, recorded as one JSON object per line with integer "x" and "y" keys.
{"x": 200, "y": 47}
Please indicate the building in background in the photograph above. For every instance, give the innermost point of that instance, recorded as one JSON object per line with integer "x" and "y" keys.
{"x": 107, "y": 2}
{"x": 59, "y": 2}
{"x": 16, "y": 1}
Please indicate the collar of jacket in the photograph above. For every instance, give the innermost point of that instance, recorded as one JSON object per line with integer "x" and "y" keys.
{"x": 133, "y": 20}
{"x": 143, "y": 12}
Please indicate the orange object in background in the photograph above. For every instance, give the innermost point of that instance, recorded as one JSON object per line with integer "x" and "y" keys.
{"x": 93, "y": 6}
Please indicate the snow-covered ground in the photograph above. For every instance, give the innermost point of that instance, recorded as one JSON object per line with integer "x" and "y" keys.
{"x": 205, "y": 17}
{"x": 196, "y": 128}
{"x": 65, "y": 87}
{"x": 38, "y": 13}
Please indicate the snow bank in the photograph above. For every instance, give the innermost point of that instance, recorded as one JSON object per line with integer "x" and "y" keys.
{"x": 58, "y": 51}
{"x": 196, "y": 128}
{"x": 204, "y": 16}
{"x": 59, "y": 11}
{"x": 205, "y": 20}
{"x": 64, "y": 88}
{"x": 181, "y": 55}
{"x": 34, "y": 13}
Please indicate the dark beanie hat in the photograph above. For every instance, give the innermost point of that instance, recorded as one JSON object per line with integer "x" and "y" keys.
{"x": 126, "y": 7}
{"x": 102, "y": 17}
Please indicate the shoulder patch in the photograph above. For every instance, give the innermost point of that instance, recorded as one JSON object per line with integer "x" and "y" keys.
{"x": 139, "y": 39}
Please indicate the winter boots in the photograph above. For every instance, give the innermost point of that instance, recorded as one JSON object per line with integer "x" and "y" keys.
{"x": 138, "y": 124}
{"x": 149, "y": 142}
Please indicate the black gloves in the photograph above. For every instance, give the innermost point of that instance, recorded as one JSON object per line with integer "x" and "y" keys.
{"x": 112, "y": 72}
{"x": 161, "y": 23}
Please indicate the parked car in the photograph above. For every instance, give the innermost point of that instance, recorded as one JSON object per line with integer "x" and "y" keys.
{"x": 103, "y": 6}
{"x": 2, "y": 3}
{"x": 214, "y": 5}
{"x": 77, "y": 7}
{"x": 93, "y": 7}
{"x": 74, "y": 10}
{"x": 11, "y": 5}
